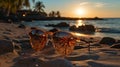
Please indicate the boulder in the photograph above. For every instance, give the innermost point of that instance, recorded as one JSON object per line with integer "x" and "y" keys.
{"x": 107, "y": 40}
{"x": 89, "y": 28}
{"x": 21, "y": 26}
{"x": 50, "y": 25}
{"x": 83, "y": 29}
{"x": 116, "y": 46}
{"x": 62, "y": 24}
{"x": 24, "y": 43}
{"x": 5, "y": 46}
{"x": 73, "y": 28}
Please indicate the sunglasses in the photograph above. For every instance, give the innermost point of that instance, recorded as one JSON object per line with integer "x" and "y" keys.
{"x": 63, "y": 42}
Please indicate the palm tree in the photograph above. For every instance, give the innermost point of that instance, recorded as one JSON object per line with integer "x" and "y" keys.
{"x": 58, "y": 14}
{"x": 13, "y": 5}
{"x": 39, "y": 6}
{"x": 53, "y": 14}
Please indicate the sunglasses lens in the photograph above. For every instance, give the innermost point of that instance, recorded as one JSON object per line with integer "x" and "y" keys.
{"x": 63, "y": 42}
{"x": 38, "y": 39}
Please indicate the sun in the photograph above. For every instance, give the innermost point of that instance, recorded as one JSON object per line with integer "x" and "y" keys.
{"x": 80, "y": 12}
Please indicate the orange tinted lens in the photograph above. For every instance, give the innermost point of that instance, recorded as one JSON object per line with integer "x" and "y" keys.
{"x": 38, "y": 39}
{"x": 63, "y": 42}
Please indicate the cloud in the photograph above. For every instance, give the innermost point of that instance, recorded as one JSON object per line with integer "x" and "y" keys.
{"x": 100, "y": 4}
{"x": 84, "y": 3}
{"x": 93, "y": 4}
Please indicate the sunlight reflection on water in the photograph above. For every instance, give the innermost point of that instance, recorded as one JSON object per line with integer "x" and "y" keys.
{"x": 79, "y": 23}
{"x": 78, "y": 34}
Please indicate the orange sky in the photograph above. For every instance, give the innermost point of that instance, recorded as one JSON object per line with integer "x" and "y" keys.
{"x": 92, "y": 8}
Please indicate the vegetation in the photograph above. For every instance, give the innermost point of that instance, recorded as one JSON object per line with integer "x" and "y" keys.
{"x": 54, "y": 14}
{"x": 11, "y": 6}
{"x": 39, "y": 7}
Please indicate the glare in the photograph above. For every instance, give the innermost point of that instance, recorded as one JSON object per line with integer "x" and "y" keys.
{"x": 78, "y": 34}
{"x": 79, "y": 23}
{"x": 24, "y": 15}
{"x": 80, "y": 12}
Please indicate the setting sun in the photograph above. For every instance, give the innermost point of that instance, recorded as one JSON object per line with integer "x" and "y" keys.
{"x": 80, "y": 12}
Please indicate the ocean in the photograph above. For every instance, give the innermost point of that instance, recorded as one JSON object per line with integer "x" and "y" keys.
{"x": 109, "y": 27}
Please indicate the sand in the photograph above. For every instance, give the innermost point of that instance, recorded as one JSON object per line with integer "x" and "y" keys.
{"x": 99, "y": 56}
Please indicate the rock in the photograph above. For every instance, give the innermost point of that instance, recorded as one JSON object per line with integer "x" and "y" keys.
{"x": 88, "y": 29}
{"x": 24, "y": 44}
{"x": 107, "y": 40}
{"x": 50, "y": 25}
{"x": 73, "y": 28}
{"x": 62, "y": 24}
{"x": 116, "y": 46}
{"x": 5, "y": 46}
{"x": 21, "y": 26}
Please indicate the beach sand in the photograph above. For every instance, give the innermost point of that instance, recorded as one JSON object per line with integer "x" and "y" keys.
{"x": 99, "y": 56}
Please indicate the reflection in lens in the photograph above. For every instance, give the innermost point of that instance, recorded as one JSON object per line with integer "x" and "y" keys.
{"x": 38, "y": 39}
{"x": 63, "y": 42}
{"x": 33, "y": 32}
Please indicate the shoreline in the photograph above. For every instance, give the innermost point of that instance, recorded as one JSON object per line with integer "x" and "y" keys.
{"x": 57, "y": 18}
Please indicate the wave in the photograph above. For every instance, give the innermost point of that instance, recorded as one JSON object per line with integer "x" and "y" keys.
{"x": 108, "y": 30}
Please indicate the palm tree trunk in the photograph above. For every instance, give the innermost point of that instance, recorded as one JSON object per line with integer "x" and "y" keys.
{"x": 8, "y": 12}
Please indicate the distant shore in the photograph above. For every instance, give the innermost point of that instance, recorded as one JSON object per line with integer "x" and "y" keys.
{"x": 57, "y": 18}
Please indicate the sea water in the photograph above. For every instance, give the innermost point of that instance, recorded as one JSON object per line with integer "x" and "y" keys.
{"x": 109, "y": 27}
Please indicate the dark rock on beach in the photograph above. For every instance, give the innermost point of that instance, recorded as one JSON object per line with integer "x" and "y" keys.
{"x": 21, "y": 26}
{"x": 24, "y": 44}
{"x": 5, "y": 46}
{"x": 62, "y": 24}
{"x": 107, "y": 40}
{"x": 88, "y": 29}
{"x": 73, "y": 28}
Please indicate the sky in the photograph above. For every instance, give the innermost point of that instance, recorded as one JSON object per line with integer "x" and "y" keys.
{"x": 83, "y": 8}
